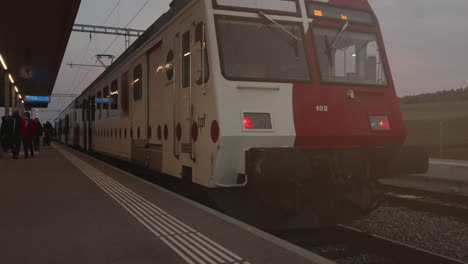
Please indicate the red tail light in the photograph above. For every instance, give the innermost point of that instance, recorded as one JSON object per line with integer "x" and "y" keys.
{"x": 379, "y": 123}
{"x": 258, "y": 121}
{"x": 384, "y": 124}
{"x": 247, "y": 122}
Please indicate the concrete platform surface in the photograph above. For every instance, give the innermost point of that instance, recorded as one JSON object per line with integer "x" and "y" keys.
{"x": 66, "y": 207}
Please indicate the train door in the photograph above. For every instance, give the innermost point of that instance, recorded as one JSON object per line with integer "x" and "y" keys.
{"x": 155, "y": 93}
{"x": 91, "y": 118}
{"x": 183, "y": 94}
{"x": 139, "y": 115}
{"x": 85, "y": 110}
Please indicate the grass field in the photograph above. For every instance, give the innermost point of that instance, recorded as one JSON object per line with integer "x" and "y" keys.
{"x": 430, "y": 124}
{"x": 435, "y": 111}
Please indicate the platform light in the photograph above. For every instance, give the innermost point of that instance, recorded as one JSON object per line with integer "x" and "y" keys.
{"x": 318, "y": 12}
{"x": 22, "y": 101}
{"x": 3, "y": 63}
{"x": 137, "y": 80}
{"x": 16, "y": 89}
{"x": 19, "y": 95}
{"x": 11, "y": 78}
{"x": 354, "y": 54}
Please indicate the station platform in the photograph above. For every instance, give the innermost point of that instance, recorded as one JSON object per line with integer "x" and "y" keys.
{"x": 66, "y": 207}
{"x": 444, "y": 176}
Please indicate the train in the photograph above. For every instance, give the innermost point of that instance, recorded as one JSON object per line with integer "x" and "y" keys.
{"x": 284, "y": 112}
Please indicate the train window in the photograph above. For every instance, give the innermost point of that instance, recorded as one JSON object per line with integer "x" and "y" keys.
{"x": 257, "y": 50}
{"x": 200, "y": 37}
{"x": 66, "y": 127}
{"x": 354, "y": 58}
{"x": 114, "y": 99}
{"x": 105, "y": 102}
{"x": 60, "y": 127}
{"x": 186, "y": 59}
{"x": 85, "y": 111}
{"x": 170, "y": 65}
{"x": 124, "y": 89}
{"x": 92, "y": 104}
{"x": 82, "y": 112}
{"x": 98, "y": 105}
{"x": 137, "y": 82}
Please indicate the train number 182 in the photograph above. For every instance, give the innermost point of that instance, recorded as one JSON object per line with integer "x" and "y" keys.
{"x": 321, "y": 108}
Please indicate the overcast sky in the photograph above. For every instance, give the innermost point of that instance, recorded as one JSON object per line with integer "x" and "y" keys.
{"x": 426, "y": 42}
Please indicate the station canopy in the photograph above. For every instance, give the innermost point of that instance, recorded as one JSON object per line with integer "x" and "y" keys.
{"x": 33, "y": 39}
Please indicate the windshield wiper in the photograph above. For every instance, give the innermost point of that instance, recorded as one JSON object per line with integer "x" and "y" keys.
{"x": 291, "y": 35}
{"x": 340, "y": 35}
{"x": 332, "y": 47}
{"x": 282, "y": 28}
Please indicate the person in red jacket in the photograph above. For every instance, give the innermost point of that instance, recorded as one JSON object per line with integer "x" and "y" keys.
{"x": 28, "y": 130}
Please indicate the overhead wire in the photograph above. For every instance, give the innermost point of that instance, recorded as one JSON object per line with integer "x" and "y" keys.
{"x": 109, "y": 46}
{"x": 131, "y": 20}
{"x": 92, "y": 37}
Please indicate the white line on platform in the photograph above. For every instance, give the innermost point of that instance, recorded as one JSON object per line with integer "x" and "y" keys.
{"x": 189, "y": 244}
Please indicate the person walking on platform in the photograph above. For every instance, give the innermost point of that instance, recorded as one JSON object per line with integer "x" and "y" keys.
{"x": 28, "y": 131}
{"x": 14, "y": 134}
{"x": 47, "y": 133}
{"x": 4, "y": 138}
{"x": 38, "y": 134}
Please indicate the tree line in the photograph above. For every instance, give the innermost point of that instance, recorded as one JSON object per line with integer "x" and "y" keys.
{"x": 454, "y": 95}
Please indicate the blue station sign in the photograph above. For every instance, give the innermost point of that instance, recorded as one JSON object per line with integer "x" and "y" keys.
{"x": 36, "y": 99}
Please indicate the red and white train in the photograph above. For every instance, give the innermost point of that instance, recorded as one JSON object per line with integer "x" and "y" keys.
{"x": 285, "y": 111}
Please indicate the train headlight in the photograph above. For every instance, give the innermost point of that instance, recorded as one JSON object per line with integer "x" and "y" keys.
{"x": 257, "y": 121}
{"x": 379, "y": 123}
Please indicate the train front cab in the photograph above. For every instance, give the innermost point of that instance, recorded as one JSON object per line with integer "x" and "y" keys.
{"x": 319, "y": 116}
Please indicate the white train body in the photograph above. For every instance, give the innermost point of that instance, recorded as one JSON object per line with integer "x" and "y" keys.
{"x": 138, "y": 134}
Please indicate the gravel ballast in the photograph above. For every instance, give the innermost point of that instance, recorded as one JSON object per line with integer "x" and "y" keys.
{"x": 447, "y": 236}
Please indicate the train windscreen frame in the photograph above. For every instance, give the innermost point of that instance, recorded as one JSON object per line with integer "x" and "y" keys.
{"x": 326, "y": 11}
{"x": 252, "y": 49}
{"x": 356, "y": 58}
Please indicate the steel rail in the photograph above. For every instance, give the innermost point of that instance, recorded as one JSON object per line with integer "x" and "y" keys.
{"x": 343, "y": 242}
{"x": 432, "y": 202}
{"x": 392, "y": 249}
{"x": 426, "y": 204}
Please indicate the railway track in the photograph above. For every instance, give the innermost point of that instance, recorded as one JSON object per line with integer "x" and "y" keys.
{"x": 342, "y": 244}
{"x": 443, "y": 205}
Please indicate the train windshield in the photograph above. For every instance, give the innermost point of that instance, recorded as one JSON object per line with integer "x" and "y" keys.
{"x": 352, "y": 58}
{"x": 258, "y": 50}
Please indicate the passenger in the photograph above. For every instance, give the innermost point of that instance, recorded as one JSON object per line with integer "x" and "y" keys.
{"x": 4, "y": 139}
{"x": 38, "y": 134}
{"x": 14, "y": 134}
{"x": 47, "y": 133}
{"x": 28, "y": 131}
